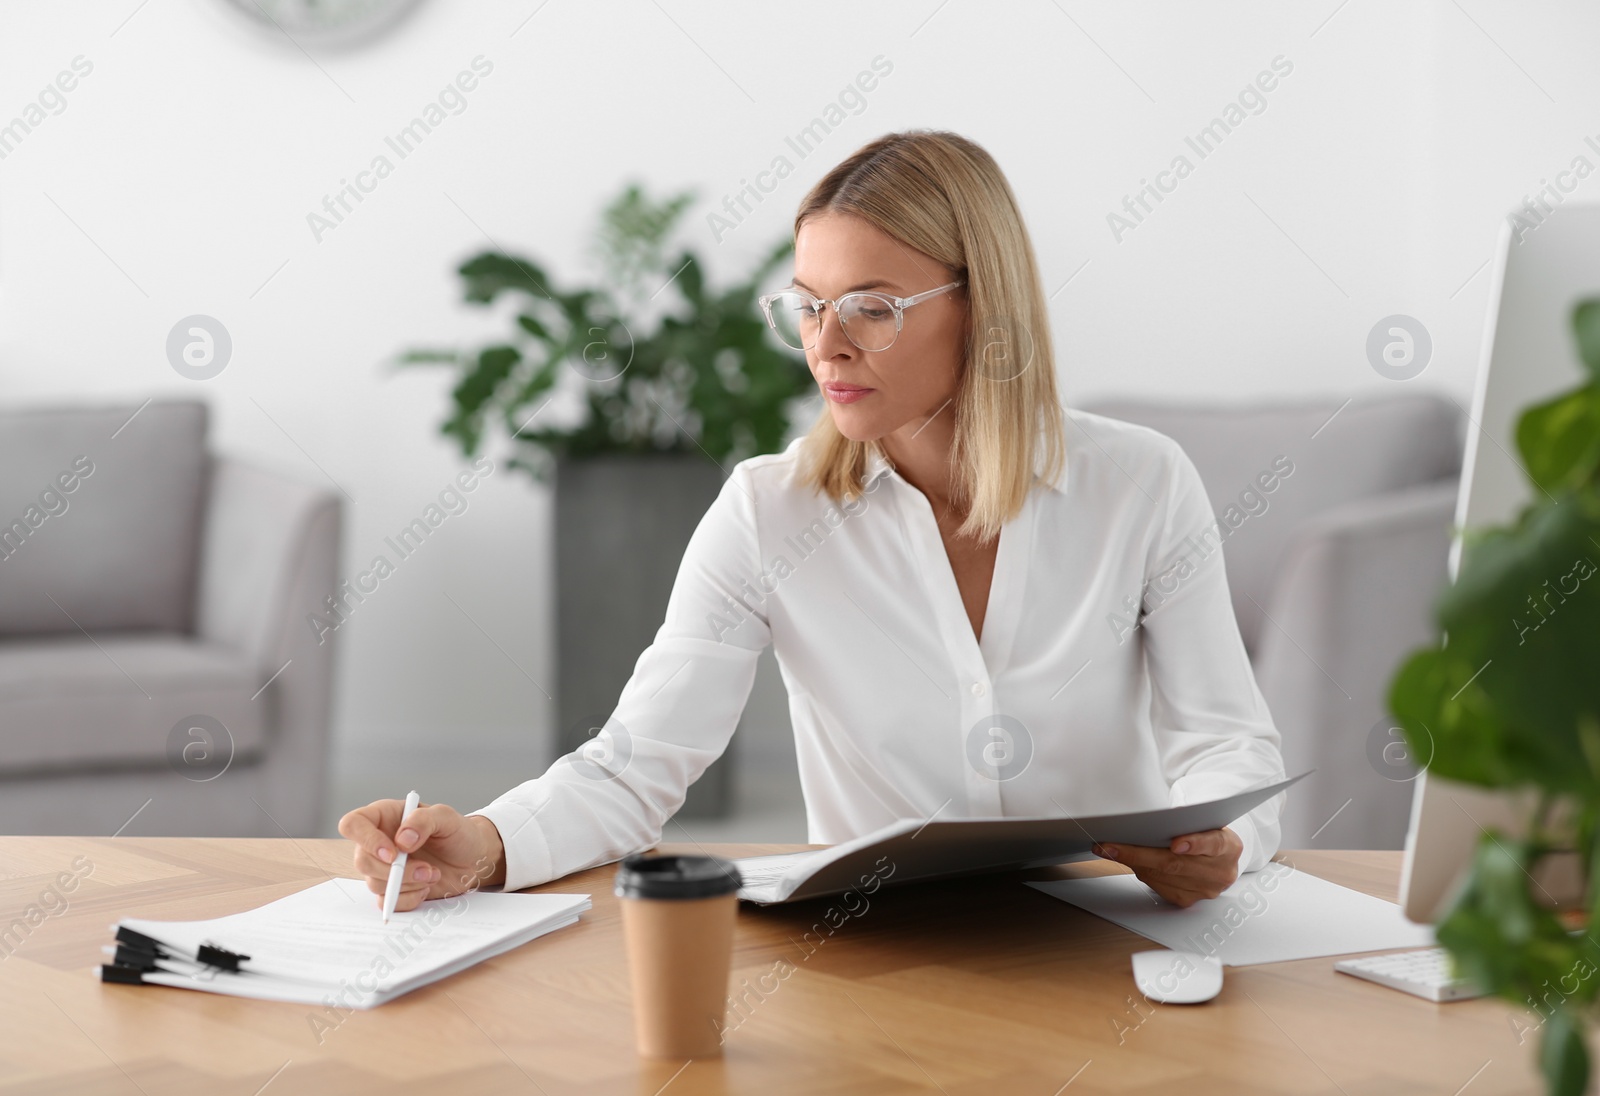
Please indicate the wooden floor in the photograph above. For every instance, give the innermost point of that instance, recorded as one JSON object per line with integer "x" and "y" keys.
{"x": 970, "y": 987}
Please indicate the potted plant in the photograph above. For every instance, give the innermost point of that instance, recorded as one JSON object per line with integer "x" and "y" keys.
{"x": 664, "y": 384}
{"x": 1510, "y": 699}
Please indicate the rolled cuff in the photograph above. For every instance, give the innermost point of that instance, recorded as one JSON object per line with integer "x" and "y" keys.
{"x": 527, "y": 850}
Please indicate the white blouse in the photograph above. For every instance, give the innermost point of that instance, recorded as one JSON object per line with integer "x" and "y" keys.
{"x": 1072, "y": 703}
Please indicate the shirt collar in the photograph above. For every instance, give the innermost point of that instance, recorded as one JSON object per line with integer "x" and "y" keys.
{"x": 877, "y": 465}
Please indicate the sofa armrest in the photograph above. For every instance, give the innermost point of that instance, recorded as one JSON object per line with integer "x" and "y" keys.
{"x": 269, "y": 558}
{"x": 1354, "y": 595}
{"x": 263, "y": 534}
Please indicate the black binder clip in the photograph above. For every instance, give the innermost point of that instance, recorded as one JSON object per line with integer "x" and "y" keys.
{"x": 139, "y": 940}
{"x": 221, "y": 958}
{"x": 127, "y": 976}
{"x": 132, "y": 958}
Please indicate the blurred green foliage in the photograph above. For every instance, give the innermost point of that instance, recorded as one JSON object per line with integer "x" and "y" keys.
{"x": 661, "y": 362}
{"x": 1510, "y": 698}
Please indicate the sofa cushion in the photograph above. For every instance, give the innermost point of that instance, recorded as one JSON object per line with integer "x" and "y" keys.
{"x": 100, "y": 517}
{"x": 1370, "y": 447}
{"x": 74, "y": 703}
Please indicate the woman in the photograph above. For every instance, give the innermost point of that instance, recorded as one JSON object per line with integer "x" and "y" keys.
{"x": 982, "y": 604}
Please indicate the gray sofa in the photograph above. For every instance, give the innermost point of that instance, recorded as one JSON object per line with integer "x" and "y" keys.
{"x": 1332, "y": 581}
{"x": 157, "y": 671}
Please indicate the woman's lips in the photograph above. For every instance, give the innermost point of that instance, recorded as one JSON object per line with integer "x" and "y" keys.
{"x": 845, "y": 393}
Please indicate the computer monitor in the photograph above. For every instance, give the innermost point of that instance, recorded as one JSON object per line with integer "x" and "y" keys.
{"x": 1540, "y": 271}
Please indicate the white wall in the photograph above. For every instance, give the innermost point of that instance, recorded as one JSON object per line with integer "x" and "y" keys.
{"x": 179, "y": 176}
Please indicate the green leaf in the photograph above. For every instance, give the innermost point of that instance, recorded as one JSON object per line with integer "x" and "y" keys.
{"x": 1505, "y": 700}
{"x": 533, "y": 327}
{"x": 1563, "y": 1058}
{"x": 1500, "y": 937}
{"x": 492, "y": 272}
{"x": 466, "y": 429}
{"x": 1589, "y": 850}
{"x": 576, "y": 305}
{"x": 633, "y": 232}
{"x": 689, "y": 280}
{"x": 428, "y": 357}
{"x": 1560, "y": 439}
{"x": 1586, "y": 327}
{"x": 1455, "y": 737}
{"x": 517, "y": 415}
{"x": 475, "y": 389}
{"x": 632, "y": 220}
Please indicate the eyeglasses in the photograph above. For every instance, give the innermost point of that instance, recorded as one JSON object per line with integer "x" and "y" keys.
{"x": 871, "y": 321}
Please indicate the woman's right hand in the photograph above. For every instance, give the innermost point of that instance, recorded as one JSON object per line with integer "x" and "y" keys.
{"x": 447, "y": 852}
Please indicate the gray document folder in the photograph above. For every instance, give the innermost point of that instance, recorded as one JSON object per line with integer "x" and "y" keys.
{"x": 911, "y": 850}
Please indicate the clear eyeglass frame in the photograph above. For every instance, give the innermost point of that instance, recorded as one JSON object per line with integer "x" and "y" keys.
{"x": 897, "y": 305}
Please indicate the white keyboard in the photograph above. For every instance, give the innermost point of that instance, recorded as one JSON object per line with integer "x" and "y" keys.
{"x": 1424, "y": 972}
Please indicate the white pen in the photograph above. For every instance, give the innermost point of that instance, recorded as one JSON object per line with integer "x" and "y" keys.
{"x": 397, "y": 870}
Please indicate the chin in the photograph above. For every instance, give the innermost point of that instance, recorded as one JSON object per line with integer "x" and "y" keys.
{"x": 856, "y": 427}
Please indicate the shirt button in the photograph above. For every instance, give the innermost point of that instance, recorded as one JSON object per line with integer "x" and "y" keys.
{"x": 979, "y": 688}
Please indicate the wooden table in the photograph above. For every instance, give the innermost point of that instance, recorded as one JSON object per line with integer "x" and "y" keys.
{"x": 976, "y": 986}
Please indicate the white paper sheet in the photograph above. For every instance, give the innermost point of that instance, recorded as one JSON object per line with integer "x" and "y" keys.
{"x": 1269, "y": 916}
{"x": 330, "y": 936}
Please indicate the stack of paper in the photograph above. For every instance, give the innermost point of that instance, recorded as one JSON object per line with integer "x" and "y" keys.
{"x": 328, "y": 944}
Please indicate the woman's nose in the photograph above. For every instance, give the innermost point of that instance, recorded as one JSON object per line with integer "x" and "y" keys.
{"x": 831, "y": 339}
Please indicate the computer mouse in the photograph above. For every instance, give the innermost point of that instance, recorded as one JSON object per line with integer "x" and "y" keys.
{"x": 1177, "y": 977}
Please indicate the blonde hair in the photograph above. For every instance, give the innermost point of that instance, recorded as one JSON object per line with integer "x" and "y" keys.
{"x": 943, "y": 195}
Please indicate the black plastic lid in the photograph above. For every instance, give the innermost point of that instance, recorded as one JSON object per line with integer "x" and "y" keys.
{"x": 644, "y": 876}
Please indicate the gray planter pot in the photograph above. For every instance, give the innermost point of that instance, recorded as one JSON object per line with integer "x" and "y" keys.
{"x": 622, "y": 524}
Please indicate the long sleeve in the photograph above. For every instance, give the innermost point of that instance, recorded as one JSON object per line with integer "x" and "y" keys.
{"x": 674, "y": 718}
{"x": 1212, "y": 727}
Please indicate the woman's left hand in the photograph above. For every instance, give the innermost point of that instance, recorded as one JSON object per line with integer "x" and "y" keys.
{"x": 1192, "y": 867}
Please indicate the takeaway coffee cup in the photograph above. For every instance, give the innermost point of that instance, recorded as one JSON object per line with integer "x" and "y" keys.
{"x": 677, "y": 921}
